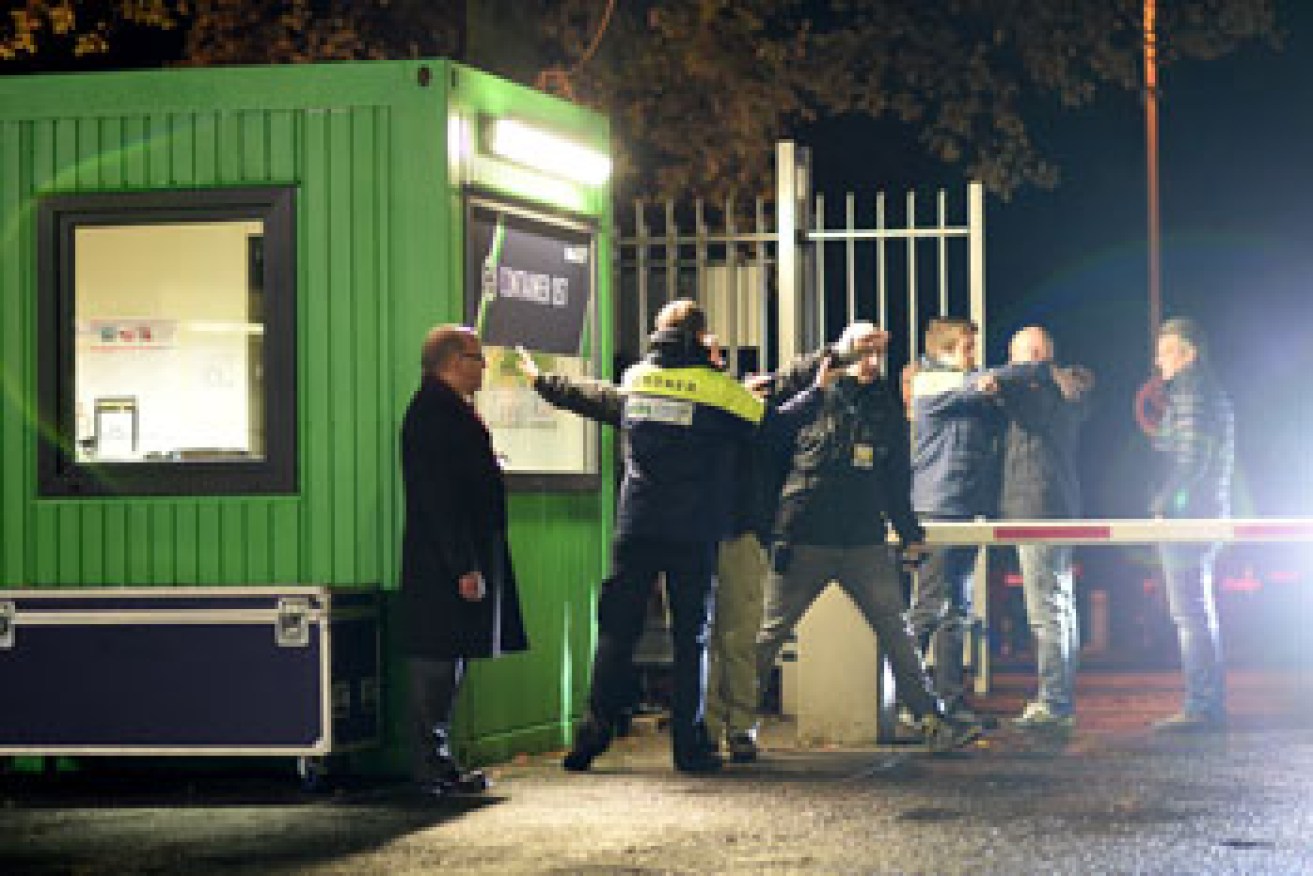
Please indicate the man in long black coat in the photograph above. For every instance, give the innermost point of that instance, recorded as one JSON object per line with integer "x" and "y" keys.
{"x": 458, "y": 589}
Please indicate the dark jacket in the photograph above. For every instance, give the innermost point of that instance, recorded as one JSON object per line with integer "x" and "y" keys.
{"x": 955, "y": 434}
{"x": 752, "y": 509}
{"x": 1196, "y": 446}
{"x": 1040, "y": 478}
{"x": 589, "y": 397}
{"x": 847, "y": 473}
{"x": 455, "y": 523}
{"x": 684, "y": 422}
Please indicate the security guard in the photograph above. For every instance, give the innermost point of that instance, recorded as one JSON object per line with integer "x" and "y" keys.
{"x": 685, "y": 422}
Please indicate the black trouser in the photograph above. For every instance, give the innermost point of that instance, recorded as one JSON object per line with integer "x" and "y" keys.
{"x": 689, "y": 568}
{"x": 434, "y": 685}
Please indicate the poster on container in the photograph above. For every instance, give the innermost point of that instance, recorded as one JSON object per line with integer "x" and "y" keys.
{"x": 529, "y": 283}
{"x": 530, "y": 279}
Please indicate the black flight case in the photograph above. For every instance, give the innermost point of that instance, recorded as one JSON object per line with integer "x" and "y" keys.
{"x": 233, "y": 671}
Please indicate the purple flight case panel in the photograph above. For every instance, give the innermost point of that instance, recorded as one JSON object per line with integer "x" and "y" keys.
{"x": 189, "y": 670}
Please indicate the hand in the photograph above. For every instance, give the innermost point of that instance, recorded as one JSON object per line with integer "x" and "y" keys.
{"x": 911, "y": 555}
{"x": 472, "y": 587}
{"x": 758, "y": 384}
{"x": 524, "y": 362}
{"x": 987, "y": 384}
{"x": 1073, "y": 382}
{"x": 826, "y": 374}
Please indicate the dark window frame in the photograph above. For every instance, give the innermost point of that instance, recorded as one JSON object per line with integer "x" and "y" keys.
{"x": 59, "y": 474}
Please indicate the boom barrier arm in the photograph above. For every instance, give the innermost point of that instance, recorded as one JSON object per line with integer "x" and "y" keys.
{"x": 1112, "y": 532}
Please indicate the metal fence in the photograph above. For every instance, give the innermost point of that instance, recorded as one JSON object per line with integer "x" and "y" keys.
{"x": 780, "y": 277}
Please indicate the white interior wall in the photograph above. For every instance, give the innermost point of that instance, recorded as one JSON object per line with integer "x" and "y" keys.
{"x": 189, "y": 283}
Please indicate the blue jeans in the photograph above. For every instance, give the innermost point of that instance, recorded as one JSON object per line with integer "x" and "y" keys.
{"x": 1188, "y": 574}
{"x": 941, "y": 612}
{"x": 1046, "y": 582}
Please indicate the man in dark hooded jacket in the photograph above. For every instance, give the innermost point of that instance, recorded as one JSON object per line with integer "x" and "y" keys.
{"x": 684, "y": 423}
{"x": 846, "y": 481}
{"x": 731, "y": 688}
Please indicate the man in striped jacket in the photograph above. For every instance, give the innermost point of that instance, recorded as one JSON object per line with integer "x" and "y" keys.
{"x": 1196, "y": 446}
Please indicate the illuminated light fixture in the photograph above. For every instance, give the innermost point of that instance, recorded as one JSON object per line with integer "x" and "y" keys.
{"x": 550, "y": 153}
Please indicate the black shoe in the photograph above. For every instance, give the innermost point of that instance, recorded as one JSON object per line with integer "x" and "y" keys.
{"x": 700, "y": 764}
{"x": 742, "y": 748}
{"x": 590, "y": 741}
{"x": 578, "y": 761}
{"x": 458, "y": 784}
{"x": 467, "y": 782}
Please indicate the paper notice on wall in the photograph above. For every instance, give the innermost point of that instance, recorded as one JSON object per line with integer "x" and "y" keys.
{"x": 128, "y": 333}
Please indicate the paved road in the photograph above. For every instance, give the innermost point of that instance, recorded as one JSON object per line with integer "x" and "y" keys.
{"x": 1114, "y": 799}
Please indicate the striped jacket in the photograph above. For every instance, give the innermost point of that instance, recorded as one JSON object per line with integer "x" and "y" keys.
{"x": 1196, "y": 446}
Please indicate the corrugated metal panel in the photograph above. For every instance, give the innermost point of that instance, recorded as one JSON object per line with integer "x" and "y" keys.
{"x": 343, "y": 529}
{"x": 379, "y": 242}
{"x": 15, "y": 407}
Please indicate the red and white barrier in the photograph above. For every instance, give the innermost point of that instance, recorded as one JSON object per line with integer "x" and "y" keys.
{"x": 1113, "y": 532}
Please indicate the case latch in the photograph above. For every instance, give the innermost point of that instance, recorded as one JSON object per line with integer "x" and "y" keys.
{"x": 8, "y": 612}
{"x": 292, "y": 627}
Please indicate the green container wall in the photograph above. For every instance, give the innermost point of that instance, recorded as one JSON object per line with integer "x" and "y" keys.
{"x": 380, "y": 256}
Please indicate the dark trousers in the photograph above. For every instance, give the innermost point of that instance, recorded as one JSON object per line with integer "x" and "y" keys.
{"x": 434, "y": 685}
{"x": 689, "y": 568}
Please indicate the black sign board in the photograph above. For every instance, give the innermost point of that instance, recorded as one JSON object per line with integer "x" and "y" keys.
{"x": 528, "y": 278}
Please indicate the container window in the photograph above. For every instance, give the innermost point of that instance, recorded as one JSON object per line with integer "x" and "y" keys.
{"x": 167, "y": 343}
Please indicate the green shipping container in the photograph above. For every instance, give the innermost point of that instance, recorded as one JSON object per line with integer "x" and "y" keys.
{"x": 163, "y": 425}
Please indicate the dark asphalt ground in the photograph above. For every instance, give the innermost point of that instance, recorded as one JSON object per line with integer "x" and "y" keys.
{"x": 1113, "y": 799}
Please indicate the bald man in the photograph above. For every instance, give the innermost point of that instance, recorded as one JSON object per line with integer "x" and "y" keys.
{"x": 1044, "y": 405}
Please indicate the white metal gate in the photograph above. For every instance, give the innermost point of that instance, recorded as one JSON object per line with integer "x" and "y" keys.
{"x": 778, "y": 279}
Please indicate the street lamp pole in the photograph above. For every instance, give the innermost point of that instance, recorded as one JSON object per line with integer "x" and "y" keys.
{"x": 1150, "y": 399}
{"x": 1151, "y": 160}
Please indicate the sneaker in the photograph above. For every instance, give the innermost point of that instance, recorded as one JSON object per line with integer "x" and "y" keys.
{"x": 945, "y": 733}
{"x": 1186, "y": 723}
{"x": 742, "y": 747}
{"x": 909, "y": 721}
{"x": 1038, "y": 717}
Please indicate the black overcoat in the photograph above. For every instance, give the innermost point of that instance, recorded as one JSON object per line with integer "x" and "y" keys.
{"x": 455, "y": 523}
